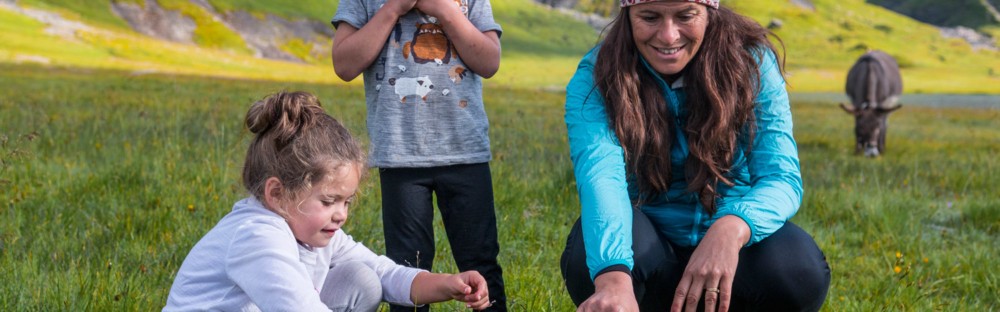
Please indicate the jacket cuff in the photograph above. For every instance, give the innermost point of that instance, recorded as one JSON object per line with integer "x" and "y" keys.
{"x": 614, "y": 268}
{"x": 742, "y": 215}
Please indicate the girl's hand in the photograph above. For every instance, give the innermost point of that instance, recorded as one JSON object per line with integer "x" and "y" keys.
{"x": 712, "y": 267}
{"x": 612, "y": 292}
{"x": 470, "y": 287}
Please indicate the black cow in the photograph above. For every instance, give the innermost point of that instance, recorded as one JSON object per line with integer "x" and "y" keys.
{"x": 874, "y": 86}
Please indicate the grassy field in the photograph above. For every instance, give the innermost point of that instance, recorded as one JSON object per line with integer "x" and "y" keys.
{"x": 107, "y": 179}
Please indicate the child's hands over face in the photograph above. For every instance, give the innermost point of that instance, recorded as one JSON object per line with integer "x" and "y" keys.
{"x": 400, "y": 7}
{"x": 470, "y": 287}
{"x": 438, "y": 8}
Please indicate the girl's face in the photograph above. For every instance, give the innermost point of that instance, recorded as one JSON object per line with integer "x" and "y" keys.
{"x": 324, "y": 209}
{"x": 668, "y": 34}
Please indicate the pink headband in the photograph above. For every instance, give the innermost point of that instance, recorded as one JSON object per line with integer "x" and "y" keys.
{"x": 711, "y": 3}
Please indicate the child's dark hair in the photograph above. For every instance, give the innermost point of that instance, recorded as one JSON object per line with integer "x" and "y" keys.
{"x": 295, "y": 141}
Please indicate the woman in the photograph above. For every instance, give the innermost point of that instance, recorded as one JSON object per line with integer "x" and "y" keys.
{"x": 680, "y": 133}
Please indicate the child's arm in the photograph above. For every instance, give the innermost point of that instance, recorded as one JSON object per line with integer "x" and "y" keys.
{"x": 355, "y": 49}
{"x": 468, "y": 287}
{"x": 480, "y": 51}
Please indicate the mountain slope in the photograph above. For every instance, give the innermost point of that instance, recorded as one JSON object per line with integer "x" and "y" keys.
{"x": 969, "y": 13}
{"x": 540, "y": 46}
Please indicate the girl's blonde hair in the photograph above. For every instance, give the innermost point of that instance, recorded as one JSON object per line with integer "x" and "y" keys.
{"x": 297, "y": 142}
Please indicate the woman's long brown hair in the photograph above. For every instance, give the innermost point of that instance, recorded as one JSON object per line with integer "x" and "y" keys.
{"x": 721, "y": 83}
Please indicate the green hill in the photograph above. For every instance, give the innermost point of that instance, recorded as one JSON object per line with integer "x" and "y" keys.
{"x": 969, "y": 13}
{"x": 540, "y": 46}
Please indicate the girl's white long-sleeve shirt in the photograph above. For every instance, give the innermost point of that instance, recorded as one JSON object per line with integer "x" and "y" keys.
{"x": 251, "y": 261}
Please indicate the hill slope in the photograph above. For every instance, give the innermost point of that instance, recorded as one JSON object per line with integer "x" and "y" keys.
{"x": 541, "y": 46}
{"x": 969, "y": 13}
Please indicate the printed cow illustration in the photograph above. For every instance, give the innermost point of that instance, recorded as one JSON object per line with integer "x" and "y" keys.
{"x": 419, "y": 86}
{"x": 874, "y": 85}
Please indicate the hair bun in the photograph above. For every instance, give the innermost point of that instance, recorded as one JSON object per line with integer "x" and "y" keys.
{"x": 283, "y": 115}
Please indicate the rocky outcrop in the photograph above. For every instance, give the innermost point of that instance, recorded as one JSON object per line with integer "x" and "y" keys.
{"x": 263, "y": 36}
{"x": 975, "y": 39}
{"x": 805, "y": 4}
{"x": 154, "y": 21}
{"x": 568, "y": 7}
{"x": 565, "y": 4}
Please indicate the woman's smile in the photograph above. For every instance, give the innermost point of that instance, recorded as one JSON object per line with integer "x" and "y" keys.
{"x": 668, "y": 34}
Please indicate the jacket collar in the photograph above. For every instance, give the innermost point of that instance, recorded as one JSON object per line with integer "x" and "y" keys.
{"x": 678, "y": 84}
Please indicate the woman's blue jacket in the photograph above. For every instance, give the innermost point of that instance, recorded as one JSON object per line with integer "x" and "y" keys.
{"x": 767, "y": 190}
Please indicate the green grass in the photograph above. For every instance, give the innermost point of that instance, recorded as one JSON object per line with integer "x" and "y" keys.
{"x": 124, "y": 173}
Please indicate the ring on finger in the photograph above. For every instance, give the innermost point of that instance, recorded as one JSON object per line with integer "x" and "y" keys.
{"x": 712, "y": 290}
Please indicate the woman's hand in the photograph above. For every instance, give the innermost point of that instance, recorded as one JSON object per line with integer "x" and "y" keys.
{"x": 612, "y": 292}
{"x": 712, "y": 267}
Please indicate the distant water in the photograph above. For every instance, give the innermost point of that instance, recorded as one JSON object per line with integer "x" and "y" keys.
{"x": 985, "y": 101}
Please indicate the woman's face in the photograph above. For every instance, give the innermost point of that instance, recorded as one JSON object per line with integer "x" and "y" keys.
{"x": 668, "y": 34}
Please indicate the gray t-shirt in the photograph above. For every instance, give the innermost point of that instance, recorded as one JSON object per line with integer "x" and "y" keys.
{"x": 425, "y": 107}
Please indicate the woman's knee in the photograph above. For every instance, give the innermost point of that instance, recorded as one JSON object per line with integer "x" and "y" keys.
{"x": 793, "y": 267}
{"x": 352, "y": 286}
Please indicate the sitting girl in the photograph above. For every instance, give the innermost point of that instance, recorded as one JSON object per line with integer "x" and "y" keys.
{"x": 282, "y": 248}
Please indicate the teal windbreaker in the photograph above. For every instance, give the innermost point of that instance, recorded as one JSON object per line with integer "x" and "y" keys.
{"x": 767, "y": 190}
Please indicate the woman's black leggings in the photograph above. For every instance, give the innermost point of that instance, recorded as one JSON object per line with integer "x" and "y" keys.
{"x": 784, "y": 272}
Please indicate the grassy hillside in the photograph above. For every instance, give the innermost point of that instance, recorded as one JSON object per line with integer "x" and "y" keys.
{"x": 969, "y": 13}
{"x": 821, "y": 45}
{"x": 541, "y": 47}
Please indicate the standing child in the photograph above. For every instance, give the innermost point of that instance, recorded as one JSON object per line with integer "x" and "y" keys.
{"x": 423, "y": 63}
{"x": 282, "y": 248}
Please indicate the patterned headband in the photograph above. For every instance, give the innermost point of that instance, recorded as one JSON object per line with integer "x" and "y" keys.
{"x": 711, "y": 3}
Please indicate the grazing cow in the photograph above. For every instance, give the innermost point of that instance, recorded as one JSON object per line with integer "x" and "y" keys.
{"x": 874, "y": 85}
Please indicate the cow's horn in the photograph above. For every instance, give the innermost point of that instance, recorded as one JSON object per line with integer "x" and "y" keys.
{"x": 849, "y": 110}
{"x": 890, "y": 103}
